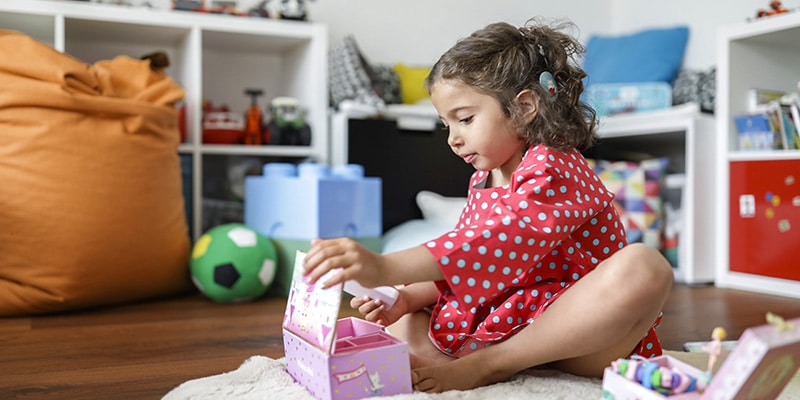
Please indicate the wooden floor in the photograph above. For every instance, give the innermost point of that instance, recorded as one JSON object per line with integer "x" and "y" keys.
{"x": 144, "y": 350}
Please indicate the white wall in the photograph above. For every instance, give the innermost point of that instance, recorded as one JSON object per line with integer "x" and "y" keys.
{"x": 418, "y": 31}
{"x": 702, "y": 16}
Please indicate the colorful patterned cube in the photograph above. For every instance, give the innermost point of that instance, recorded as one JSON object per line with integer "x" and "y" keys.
{"x": 637, "y": 196}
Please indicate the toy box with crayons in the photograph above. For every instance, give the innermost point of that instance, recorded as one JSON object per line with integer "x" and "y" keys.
{"x": 760, "y": 365}
{"x": 347, "y": 358}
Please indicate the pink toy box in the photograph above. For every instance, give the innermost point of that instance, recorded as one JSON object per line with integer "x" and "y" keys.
{"x": 765, "y": 358}
{"x": 348, "y": 358}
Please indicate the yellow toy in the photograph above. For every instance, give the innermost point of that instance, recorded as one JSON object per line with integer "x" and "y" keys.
{"x": 780, "y": 324}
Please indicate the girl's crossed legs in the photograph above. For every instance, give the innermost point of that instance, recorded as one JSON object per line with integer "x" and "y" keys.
{"x": 602, "y": 317}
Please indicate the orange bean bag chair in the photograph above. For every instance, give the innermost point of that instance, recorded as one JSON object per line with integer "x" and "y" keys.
{"x": 91, "y": 207}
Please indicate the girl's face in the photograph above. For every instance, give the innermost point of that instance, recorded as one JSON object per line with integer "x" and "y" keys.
{"x": 479, "y": 131}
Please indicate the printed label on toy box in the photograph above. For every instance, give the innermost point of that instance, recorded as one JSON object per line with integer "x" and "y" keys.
{"x": 312, "y": 311}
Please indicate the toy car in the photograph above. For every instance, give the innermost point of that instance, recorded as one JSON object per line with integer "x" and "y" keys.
{"x": 222, "y": 127}
{"x": 288, "y": 125}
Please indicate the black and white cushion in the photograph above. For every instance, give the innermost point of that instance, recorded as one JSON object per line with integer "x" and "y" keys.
{"x": 697, "y": 86}
{"x": 350, "y": 76}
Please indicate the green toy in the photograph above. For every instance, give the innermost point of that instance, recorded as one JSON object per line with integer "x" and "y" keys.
{"x": 233, "y": 263}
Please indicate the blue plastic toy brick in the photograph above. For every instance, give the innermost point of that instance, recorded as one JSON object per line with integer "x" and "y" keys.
{"x": 312, "y": 200}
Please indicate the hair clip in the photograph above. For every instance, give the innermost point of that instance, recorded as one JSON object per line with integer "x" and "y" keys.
{"x": 549, "y": 84}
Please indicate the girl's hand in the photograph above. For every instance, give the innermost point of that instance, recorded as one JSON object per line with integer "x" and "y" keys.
{"x": 354, "y": 261}
{"x": 375, "y": 310}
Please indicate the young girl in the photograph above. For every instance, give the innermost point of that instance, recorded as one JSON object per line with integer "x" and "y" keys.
{"x": 537, "y": 270}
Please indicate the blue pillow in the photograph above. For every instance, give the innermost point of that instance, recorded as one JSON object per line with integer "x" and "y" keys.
{"x": 653, "y": 55}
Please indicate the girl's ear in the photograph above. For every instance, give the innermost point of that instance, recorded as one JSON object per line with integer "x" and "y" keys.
{"x": 528, "y": 105}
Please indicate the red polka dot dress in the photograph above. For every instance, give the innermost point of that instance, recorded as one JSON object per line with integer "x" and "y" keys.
{"x": 516, "y": 248}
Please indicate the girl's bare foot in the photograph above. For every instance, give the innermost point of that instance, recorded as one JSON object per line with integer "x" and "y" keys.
{"x": 465, "y": 373}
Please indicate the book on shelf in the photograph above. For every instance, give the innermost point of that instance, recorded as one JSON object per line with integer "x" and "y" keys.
{"x": 780, "y": 112}
{"x": 755, "y": 132}
{"x": 774, "y": 117}
{"x": 758, "y": 100}
{"x": 788, "y": 127}
{"x": 794, "y": 110}
{"x": 771, "y": 125}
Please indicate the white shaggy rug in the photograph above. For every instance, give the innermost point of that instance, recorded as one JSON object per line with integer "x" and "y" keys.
{"x": 261, "y": 378}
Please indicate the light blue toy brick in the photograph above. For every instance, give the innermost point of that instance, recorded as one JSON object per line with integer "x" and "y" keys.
{"x": 312, "y": 200}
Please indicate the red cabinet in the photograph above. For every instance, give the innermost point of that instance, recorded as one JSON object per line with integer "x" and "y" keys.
{"x": 765, "y": 218}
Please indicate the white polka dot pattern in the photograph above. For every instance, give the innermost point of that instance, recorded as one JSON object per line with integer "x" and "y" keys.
{"x": 517, "y": 247}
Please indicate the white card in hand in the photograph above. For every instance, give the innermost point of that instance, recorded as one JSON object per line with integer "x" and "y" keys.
{"x": 386, "y": 294}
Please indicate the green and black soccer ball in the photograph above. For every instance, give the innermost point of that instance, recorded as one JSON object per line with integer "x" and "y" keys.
{"x": 233, "y": 263}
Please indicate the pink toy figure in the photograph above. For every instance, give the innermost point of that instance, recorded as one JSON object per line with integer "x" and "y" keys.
{"x": 714, "y": 347}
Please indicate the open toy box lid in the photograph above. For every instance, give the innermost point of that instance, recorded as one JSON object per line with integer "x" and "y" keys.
{"x": 311, "y": 311}
{"x": 765, "y": 358}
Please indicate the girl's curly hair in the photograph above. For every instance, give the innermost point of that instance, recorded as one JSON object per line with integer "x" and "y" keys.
{"x": 502, "y": 60}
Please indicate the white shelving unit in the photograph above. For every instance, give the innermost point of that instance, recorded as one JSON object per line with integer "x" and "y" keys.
{"x": 686, "y": 137}
{"x": 763, "y": 54}
{"x": 214, "y": 57}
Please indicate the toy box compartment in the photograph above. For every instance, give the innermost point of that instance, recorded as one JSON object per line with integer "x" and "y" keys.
{"x": 348, "y": 358}
{"x": 617, "y": 387}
